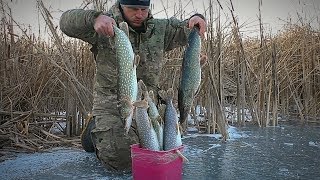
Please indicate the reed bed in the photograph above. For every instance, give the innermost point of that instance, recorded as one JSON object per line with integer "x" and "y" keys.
{"x": 46, "y": 86}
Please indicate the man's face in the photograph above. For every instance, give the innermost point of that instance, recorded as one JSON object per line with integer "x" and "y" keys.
{"x": 135, "y": 16}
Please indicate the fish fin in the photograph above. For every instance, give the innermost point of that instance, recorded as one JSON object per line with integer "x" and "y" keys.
{"x": 160, "y": 120}
{"x": 151, "y": 95}
{"x": 170, "y": 93}
{"x": 163, "y": 94}
{"x": 162, "y": 110}
{"x": 197, "y": 91}
{"x": 144, "y": 90}
{"x": 141, "y": 104}
{"x": 125, "y": 101}
{"x": 150, "y": 123}
{"x": 139, "y": 92}
{"x": 124, "y": 27}
{"x": 128, "y": 122}
{"x": 203, "y": 60}
{"x": 143, "y": 86}
{"x": 136, "y": 59}
{"x": 167, "y": 95}
{"x": 177, "y": 128}
{"x": 180, "y": 128}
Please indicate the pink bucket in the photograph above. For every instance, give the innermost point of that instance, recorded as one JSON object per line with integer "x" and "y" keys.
{"x": 156, "y": 165}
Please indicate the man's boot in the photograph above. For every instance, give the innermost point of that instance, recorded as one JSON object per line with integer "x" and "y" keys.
{"x": 86, "y": 138}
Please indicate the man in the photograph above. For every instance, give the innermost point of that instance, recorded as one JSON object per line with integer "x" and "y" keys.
{"x": 150, "y": 38}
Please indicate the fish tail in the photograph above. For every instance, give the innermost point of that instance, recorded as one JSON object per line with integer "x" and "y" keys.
{"x": 170, "y": 93}
{"x": 167, "y": 95}
{"x": 151, "y": 95}
{"x": 164, "y": 95}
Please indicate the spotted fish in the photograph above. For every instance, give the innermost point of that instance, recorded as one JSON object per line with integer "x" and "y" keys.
{"x": 127, "y": 78}
{"x": 147, "y": 135}
{"x": 155, "y": 117}
{"x": 171, "y": 131}
{"x": 153, "y": 113}
{"x": 190, "y": 75}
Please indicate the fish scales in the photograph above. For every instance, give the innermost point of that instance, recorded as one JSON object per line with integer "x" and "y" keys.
{"x": 156, "y": 120}
{"x": 153, "y": 113}
{"x": 127, "y": 78}
{"x": 190, "y": 75}
{"x": 171, "y": 138}
{"x": 147, "y": 134}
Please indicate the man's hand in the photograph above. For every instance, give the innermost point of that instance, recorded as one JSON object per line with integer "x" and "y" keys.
{"x": 196, "y": 20}
{"x": 103, "y": 25}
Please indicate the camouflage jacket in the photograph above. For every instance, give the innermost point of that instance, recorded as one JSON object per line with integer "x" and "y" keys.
{"x": 160, "y": 35}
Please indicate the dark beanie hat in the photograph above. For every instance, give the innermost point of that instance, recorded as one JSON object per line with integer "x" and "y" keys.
{"x": 135, "y": 2}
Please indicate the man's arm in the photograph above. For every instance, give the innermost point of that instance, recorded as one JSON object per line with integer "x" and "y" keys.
{"x": 79, "y": 23}
{"x": 178, "y": 31}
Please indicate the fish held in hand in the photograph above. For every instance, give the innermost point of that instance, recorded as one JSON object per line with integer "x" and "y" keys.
{"x": 190, "y": 75}
{"x": 127, "y": 78}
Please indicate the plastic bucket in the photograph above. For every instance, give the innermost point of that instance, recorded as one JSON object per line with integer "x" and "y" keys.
{"x": 156, "y": 165}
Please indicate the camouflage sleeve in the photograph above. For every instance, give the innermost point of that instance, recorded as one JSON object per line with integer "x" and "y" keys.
{"x": 78, "y": 23}
{"x": 177, "y": 32}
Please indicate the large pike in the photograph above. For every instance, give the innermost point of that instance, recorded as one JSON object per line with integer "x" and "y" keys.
{"x": 127, "y": 78}
{"x": 171, "y": 131}
{"x": 191, "y": 75}
{"x": 147, "y": 135}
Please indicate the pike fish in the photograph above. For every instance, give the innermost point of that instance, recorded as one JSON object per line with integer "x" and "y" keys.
{"x": 153, "y": 113}
{"x": 147, "y": 135}
{"x": 171, "y": 130}
{"x": 191, "y": 75}
{"x": 155, "y": 117}
{"x": 127, "y": 78}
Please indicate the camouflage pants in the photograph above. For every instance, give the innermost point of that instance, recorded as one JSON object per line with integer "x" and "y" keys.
{"x": 111, "y": 143}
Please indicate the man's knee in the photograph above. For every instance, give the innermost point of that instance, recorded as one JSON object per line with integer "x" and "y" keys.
{"x": 112, "y": 145}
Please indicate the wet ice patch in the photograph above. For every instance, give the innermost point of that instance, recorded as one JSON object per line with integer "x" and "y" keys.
{"x": 62, "y": 163}
{"x": 314, "y": 144}
{"x": 192, "y": 129}
{"x": 35, "y": 163}
{"x": 212, "y": 147}
{"x": 192, "y": 151}
{"x": 234, "y": 133}
{"x": 288, "y": 144}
